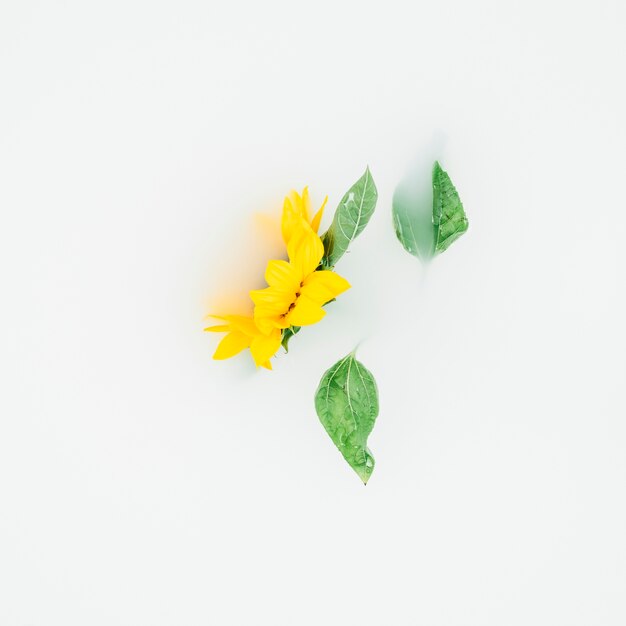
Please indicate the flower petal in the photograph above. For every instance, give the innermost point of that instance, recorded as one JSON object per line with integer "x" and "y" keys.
{"x": 289, "y": 220}
{"x": 272, "y": 300}
{"x": 266, "y": 322}
{"x": 306, "y": 204}
{"x": 317, "y": 218}
{"x": 220, "y": 328}
{"x": 231, "y": 345}
{"x": 242, "y": 323}
{"x": 295, "y": 208}
{"x": 296, "y": 202}
{"x": 305, "y": 312}
{"x": 263, "y": 347}
{"x": 282, "y": 275}
{"x": 305, "y": 250}
{"x": 323, "y": 286}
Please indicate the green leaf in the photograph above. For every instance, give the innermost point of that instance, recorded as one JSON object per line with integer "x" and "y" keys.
{"x": 346, "y": 402}
{"x": 426, "y": 231}
{"x": 413, "y": 222}
{"x": 351, "y": 217}
{"x": 449, "y": 217}
{"x": 288, "y": 333}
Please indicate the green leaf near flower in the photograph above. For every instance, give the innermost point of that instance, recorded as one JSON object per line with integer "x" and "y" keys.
{"x": 351, "y": 217}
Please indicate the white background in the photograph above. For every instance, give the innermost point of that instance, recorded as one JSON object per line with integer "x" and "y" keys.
{"x": 144, "y": 151}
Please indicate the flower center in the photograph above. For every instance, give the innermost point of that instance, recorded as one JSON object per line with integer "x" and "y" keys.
{"x": 293, "y": 304}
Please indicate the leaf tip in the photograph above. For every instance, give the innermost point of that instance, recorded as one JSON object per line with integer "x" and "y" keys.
{"x": 365, "y": 476}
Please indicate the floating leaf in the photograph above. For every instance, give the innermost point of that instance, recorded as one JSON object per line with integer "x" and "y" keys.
{"x": 346, "y": 402}
{"x": 449, "y": 218}
{"x": 351, "y": 217}
{"x": 424, "y": 232}
{"x": 413, "y": 224}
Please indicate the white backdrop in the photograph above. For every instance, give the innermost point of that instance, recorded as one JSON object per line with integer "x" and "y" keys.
{"x": 144, "y": 151}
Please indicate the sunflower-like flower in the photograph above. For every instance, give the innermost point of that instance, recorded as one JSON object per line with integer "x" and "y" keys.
{"x": 297, "y": 207}
{"x": 296, "y": 292}
{"x": 242, "y": 333}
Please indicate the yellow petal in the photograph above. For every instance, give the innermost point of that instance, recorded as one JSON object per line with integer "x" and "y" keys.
{"x": 305, "y": 250}
{"x": 296, "y": 202}
{"x": 315, "y": 222}
{"x": 289, "y": 220}
{"x": 272, "y": 300}
{"x": 266, "y": 323}
{"x": 267, "y": 365}
{"x": 305, "y": 312}
{"x": 264, "y": 313}
{"x": 323, "y": 286}
{"x": 263, "y": 347}
{"x": 242, "y": 323}
{"x": 231, "y": 345}
{"x": 296, "y": 207}
{"x": 282, "y": 275}
{"x": 221, "y": 328}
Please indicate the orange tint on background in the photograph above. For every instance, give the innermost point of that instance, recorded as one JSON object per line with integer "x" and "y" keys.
{"x": 241, "y": 262}
{"x": 242, "y": 258}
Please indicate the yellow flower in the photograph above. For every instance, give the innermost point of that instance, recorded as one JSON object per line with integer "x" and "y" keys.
{"x": 296, "y": 292}
{"x": 298, "y": 207}
{"x": 243, "y": 333}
